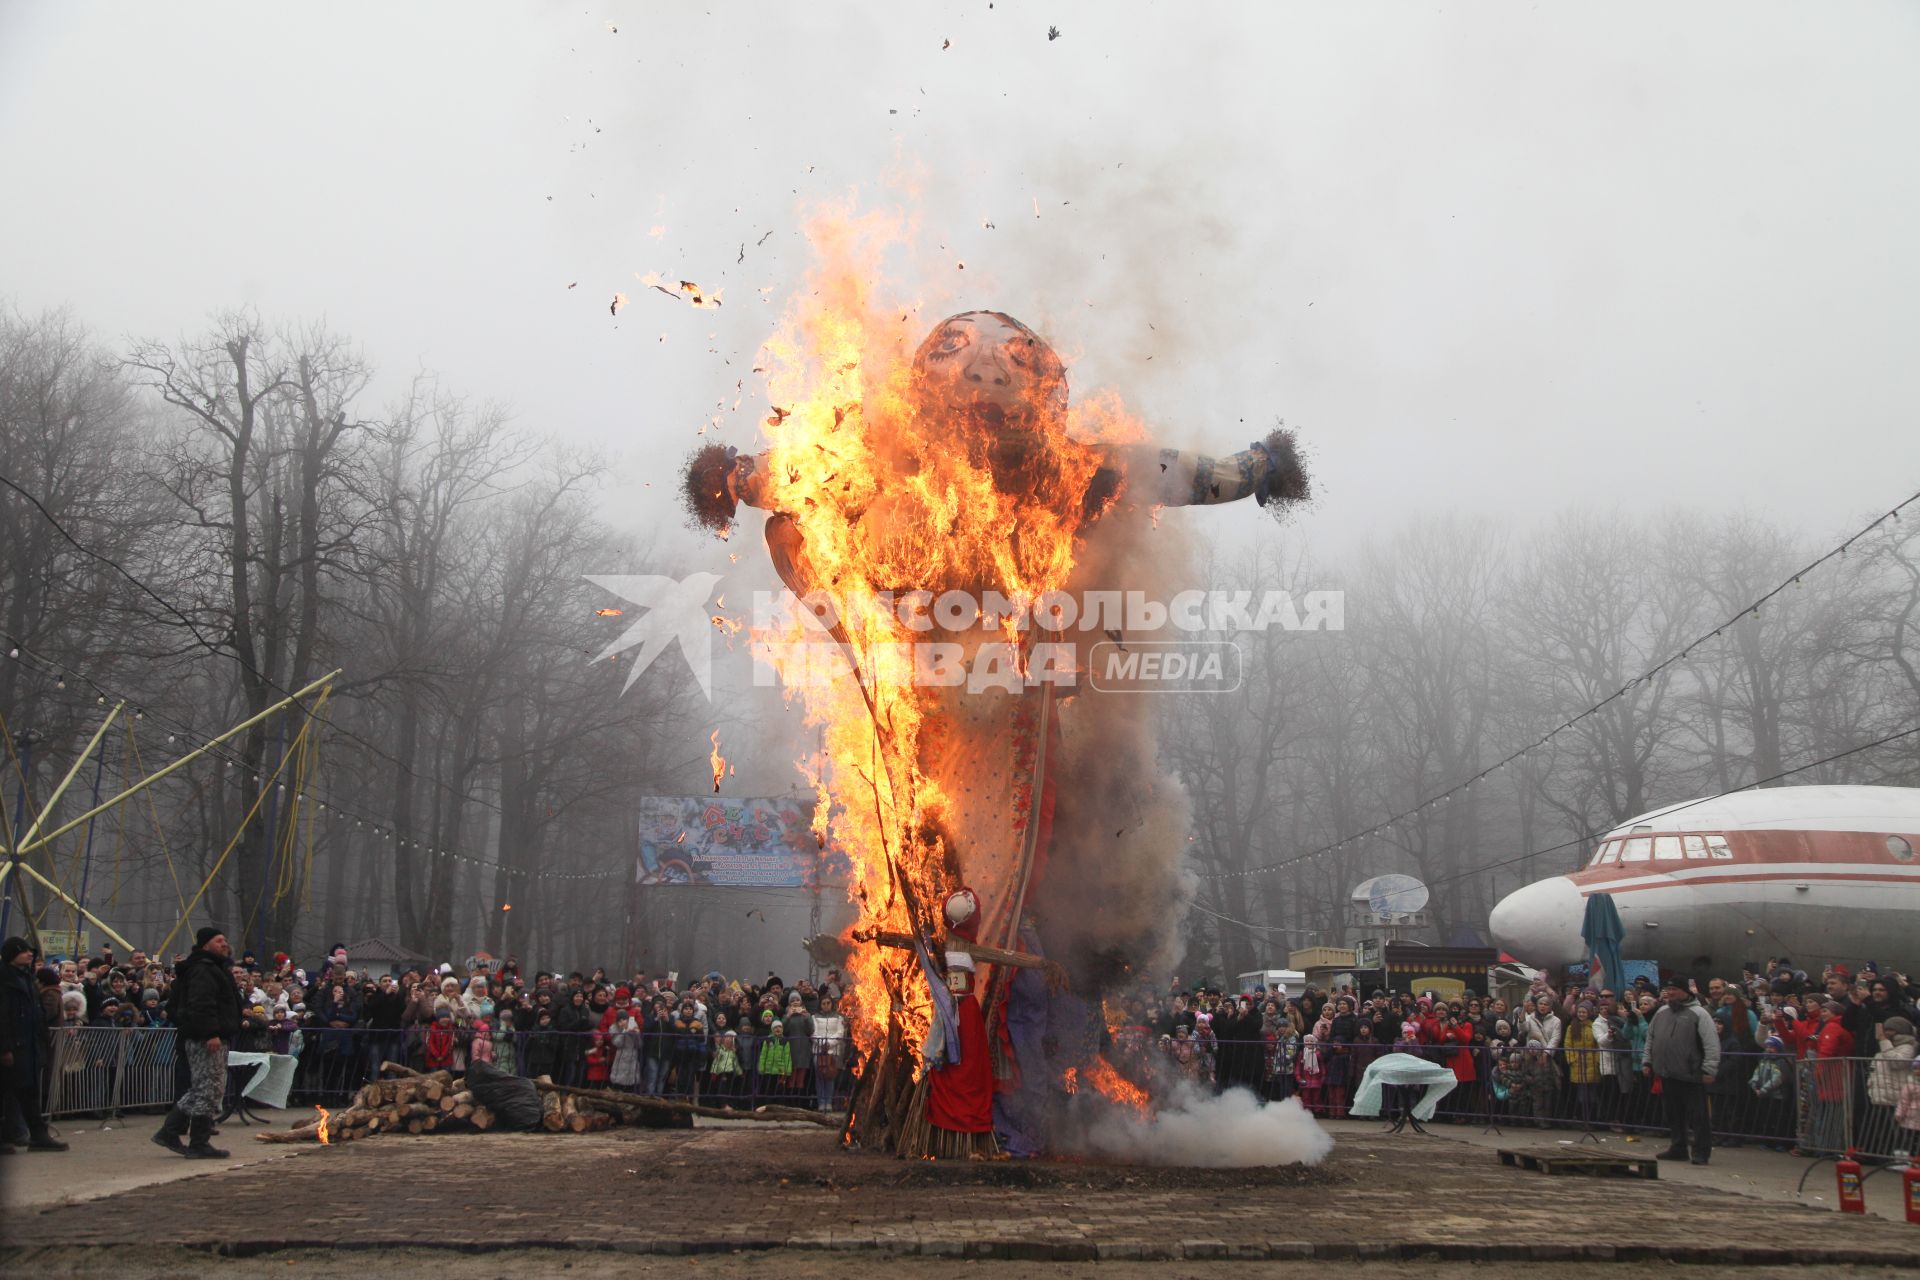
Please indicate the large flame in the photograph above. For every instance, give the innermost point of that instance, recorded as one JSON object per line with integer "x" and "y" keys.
{"x": 889, "y": 494}
{"x": 321, "y": 1129}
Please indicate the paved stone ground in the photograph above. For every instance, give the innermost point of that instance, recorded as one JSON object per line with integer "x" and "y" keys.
{"x": 716, "y": 1191}
{"x": 791, "y": 1264}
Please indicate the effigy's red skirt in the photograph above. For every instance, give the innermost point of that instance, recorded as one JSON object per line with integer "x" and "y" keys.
{"x": 961, "y": 1098}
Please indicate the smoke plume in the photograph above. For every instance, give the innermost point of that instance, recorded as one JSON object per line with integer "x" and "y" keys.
{"x": 1231, "y": 1131}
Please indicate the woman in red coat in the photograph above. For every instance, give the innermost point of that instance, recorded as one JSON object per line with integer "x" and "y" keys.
{"x": 1831, "y": 1043}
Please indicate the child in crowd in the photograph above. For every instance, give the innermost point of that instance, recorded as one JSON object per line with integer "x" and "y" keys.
{"x": 1771, "y": 1085}
{"x": 723, "y": 1073}
{"x": 1309, "y": 1073}
{"x": 442, "y": 1041}
{"x": 776, "y": 1056}
{"x": 599, "y": 1062}
{"x": 480, "y": 1048}
{"x": 1538, "y": 1083}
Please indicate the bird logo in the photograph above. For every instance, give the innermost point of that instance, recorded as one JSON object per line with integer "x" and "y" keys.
{"x": 675, "y": 610}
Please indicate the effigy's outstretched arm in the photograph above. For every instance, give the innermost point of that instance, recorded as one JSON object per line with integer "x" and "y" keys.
{"x": 1055, "y": 974}
{"x": 1267, "y": 471}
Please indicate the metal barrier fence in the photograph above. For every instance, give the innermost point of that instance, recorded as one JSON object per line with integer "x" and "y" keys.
{"x": 106, "y": 1070}
{"x": 1824, "y": 1106}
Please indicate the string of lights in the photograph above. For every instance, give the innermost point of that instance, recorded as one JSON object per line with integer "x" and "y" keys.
{"x": 1565, "y": 845}
{"x": 186, "y": 738}
{"x": 1752, "y": 609}
{"x": 221, "y": 651}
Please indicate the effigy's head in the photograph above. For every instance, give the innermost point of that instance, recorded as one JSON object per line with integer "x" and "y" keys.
{"x": 987, "y": 367}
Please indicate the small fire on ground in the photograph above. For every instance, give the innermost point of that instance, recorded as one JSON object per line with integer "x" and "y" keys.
{"x": 1108, "y": 1083}
{"x": 322, "y": 1131}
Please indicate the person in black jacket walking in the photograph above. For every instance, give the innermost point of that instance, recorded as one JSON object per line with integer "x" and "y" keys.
{"x": 206, "y": 1009}
{"x": 23, "y": 1043}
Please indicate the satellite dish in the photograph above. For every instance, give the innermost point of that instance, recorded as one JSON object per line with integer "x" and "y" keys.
{"x": 1392, "y": 895}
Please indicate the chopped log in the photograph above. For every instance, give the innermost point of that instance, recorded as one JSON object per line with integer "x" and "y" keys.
{"x": 577, "y": 1122}
{"x": 464, "y": 1111}
{"x": 551, "y": 1118}
{"x": 637, "y": 1102}
{"x": 446, "y": 1103}
{"x": 481, "y": 1119}
{"x": 417, "y": 1125}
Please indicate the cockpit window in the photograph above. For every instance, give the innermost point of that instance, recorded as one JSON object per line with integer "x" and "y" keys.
{"x": 1696, "y": 847}
{"x": 1636, "y": 849}
{"x": 1717, "y": 846}
{"x": 1666, "y": 848}
{"x": 1607, "y": 852}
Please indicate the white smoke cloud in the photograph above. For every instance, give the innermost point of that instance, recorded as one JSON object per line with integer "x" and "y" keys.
{"x": 1196, "y": 1129}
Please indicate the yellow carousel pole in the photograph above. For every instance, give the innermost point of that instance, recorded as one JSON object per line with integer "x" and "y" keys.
{"x": 28, "y": 845}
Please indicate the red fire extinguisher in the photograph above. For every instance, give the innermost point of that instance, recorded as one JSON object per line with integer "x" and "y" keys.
{"x": 1910, "y": 1183}
{"x": 1847, "y": 1171}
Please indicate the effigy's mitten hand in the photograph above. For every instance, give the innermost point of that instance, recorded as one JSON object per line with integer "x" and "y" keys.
{"x": 1285, "y": 478}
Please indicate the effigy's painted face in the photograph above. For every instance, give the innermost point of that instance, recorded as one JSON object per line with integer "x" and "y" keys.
{"x": 987, "y": 365}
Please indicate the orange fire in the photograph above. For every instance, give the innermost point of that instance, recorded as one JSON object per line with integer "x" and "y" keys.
{"x": 322, "y": 1130}
{"x": 718, "y": 761}
{"x": 889, "y": 494}
{"x": 608, "y": 613}
{"x": 1115, "y": 1087}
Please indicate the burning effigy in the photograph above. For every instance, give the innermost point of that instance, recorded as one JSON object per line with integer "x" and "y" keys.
{"x": 941, "y": 505}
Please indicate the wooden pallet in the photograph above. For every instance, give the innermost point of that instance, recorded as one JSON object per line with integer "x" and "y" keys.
{"x": 1594, "y": 1163}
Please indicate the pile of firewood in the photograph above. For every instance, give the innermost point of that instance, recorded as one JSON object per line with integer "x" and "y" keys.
{"x": 439, "y": 1102}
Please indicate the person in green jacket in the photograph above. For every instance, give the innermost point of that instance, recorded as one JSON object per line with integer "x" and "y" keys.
{"x": 776, "y": 1055}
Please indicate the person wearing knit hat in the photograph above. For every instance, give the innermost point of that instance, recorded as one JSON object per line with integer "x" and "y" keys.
{"x": 23, "y": 1050}
{"x": 1888, "y": 1075}
{"x": 206, "y": 1008}
{"x": 1683, "y": 1052}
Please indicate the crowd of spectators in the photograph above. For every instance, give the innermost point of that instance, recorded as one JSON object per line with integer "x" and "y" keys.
{"x": 713, "y": 1037}
{"x": 1574, "y": 1054}
{"x": 1570, "y": 1054}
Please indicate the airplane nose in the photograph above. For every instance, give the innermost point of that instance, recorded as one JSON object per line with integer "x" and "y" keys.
{"x": 1540, "y": 924}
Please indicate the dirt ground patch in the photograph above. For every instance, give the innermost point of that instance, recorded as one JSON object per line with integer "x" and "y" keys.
{"x": 694, "y": 1199}
{"x": 823, "y": 1164}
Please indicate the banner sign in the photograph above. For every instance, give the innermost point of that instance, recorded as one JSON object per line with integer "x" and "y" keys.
{"x": 765, "y": 842}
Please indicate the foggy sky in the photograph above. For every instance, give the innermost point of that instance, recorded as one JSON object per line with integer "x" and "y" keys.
{"x": 1507, "y": 259}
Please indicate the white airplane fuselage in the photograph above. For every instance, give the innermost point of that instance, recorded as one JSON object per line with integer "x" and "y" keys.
{"x": 1817, "y": 874}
